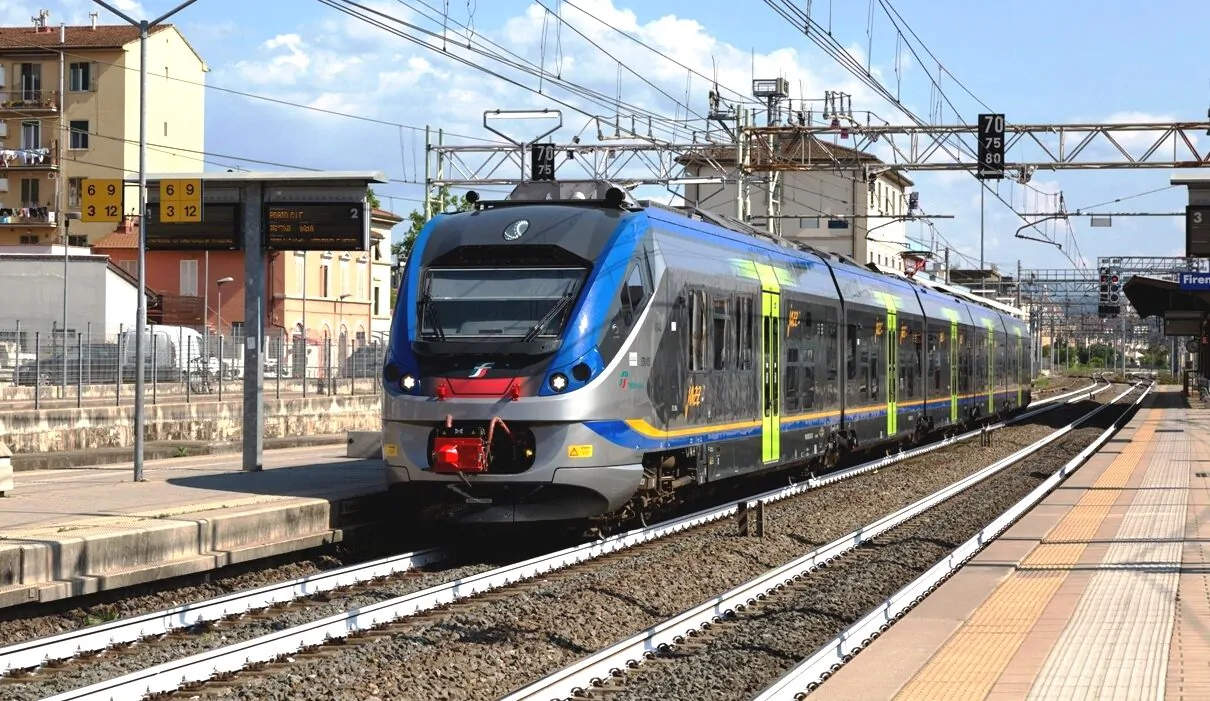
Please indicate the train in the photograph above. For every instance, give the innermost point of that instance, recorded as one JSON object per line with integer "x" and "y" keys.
{"x": 571, "y": 354}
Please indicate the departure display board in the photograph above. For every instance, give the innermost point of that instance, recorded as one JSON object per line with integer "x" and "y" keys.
{"x": 324, "y": 226}
{"x": 221, "y": 229}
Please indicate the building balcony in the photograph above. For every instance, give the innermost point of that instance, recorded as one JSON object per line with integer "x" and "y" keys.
{"x": 27, "y": 216}
{"x": 28, "y": 159}
{"x": 29, "y": 102}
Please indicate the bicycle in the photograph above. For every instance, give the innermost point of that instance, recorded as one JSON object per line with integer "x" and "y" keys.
{"x": 203, "y": 375}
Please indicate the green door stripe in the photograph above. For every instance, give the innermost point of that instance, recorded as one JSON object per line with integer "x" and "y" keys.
{"x": 892, "y": 373}
{"x": 770, "y": 394}
{"x": 953, "y": 369}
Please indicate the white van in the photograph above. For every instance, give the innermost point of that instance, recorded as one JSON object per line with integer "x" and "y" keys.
{"x": 165, "y": 359}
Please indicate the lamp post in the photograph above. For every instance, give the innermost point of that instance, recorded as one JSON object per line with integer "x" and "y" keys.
{"x": 219, "y": 285}
{"x": 344, "y": 337}
{"x": 141, "y": 314}
{"x": 219, "y": 326}
{"x": 67, "y": 217}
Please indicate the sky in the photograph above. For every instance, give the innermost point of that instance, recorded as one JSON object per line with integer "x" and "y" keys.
{"x": 346, "y": 95}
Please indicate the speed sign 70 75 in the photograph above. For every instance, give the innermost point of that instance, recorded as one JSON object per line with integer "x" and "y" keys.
{"x": 991, "y": 147}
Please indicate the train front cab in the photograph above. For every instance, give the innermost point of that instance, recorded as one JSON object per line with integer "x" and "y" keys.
{"x": 570, "y": 473}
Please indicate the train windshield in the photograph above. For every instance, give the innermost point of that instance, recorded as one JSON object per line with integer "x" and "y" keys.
{"x": 494, "y": 304}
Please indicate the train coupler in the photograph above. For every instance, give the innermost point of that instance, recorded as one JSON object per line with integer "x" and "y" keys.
{"x": 452, "y": 455}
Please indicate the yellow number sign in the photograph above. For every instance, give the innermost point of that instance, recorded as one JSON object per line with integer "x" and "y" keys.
{"x": 100, "y": 200}
{"x": 181, "y": 201}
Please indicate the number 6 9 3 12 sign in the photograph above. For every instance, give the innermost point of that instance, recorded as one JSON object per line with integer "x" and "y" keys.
{"x": 315, "y": 226}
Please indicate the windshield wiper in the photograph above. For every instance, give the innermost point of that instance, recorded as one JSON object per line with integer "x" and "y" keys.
{"x": 427, "y": 312}
{"x": 550, "y": 316}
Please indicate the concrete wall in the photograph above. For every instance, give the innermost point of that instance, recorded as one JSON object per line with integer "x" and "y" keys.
{"x": 33, "y": 294}
{"x": 54, "y": 430}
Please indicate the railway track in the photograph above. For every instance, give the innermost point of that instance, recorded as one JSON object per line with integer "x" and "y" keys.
{"x": 114, "y": 641}
{"x": 775, "y": 611}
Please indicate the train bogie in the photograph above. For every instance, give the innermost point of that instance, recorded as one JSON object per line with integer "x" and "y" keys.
{"x": 605, "y": 356}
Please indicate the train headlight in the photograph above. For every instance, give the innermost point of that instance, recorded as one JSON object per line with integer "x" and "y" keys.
{"x": 408, "y": 383}
{"x": 558, "y": 382}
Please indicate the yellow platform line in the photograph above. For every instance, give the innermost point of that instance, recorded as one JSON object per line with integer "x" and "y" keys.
{"x": 968, "y": 665}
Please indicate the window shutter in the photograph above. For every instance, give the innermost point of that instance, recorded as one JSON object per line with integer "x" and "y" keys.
{"x": 92, "y": 76}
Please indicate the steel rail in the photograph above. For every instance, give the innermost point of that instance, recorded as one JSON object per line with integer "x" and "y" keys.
{"x": 811, "y": 672}
{"x": 595, "y": 670}
{"x": 34, "y": 653}
{"x": 31, "y": 654}
{"x": 231, "y": 658}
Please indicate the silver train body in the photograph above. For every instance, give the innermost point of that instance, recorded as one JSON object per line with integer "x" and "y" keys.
{"x": 577, "y": 355}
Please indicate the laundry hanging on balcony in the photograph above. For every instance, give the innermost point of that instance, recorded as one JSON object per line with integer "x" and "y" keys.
{"x": 26, "y": 156}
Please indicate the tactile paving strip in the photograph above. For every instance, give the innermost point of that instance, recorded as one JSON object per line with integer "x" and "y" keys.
{"x": 1115, "y": 646}
{"x": 971, "y": 661}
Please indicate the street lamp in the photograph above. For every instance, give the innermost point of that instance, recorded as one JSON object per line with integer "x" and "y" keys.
{"x": 141, "y": 313}
{"x": 219, "y": 284}
{"x": 344, "y": 336}
{"x": 67, "y": 217}
{"x": 221, "y": 365}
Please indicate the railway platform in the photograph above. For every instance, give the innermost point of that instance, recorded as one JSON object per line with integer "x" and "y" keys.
{"x": 77, "y": 531}
{"x": 1101, "y": 591}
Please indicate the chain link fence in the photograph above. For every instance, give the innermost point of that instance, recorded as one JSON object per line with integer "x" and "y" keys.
{"x": 50, "y": 369}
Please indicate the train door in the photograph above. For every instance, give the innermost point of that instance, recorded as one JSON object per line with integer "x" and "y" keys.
{"x": 954, "y": 370}
{"x": 892, "y": 373}
{"x": 1017, "y": 367}
{"x": 771, "y": 350}
{"x": 991, "y": 369}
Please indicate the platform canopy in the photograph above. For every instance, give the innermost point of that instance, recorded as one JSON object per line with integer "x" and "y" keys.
{"x": 1151, "y": 296}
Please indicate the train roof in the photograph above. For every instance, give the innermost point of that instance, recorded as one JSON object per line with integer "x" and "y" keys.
{"x": 606, "y": 194}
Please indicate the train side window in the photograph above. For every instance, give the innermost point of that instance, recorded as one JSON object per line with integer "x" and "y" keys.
{"x": 698, "y": 337}
{"x": 720, "y": 329}
{"x": 790, "y": 390}
{"x": 743, "y": 332}
{"x": 634, "y": 294}
{"x": 852, "y": 362}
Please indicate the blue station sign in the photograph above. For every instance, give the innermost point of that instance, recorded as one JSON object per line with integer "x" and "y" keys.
{"x": 1195, "y": 282}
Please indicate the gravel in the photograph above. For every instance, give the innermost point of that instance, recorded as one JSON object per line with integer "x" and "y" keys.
{"x": 744, "y": 656}
{"x": 490, "y": 647}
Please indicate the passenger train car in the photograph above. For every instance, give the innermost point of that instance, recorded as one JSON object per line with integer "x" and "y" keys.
{"x": 570, "y": 353}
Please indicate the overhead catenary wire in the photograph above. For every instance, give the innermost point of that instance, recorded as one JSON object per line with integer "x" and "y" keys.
{"x": 505, "y": 57}
{"x": 243, "y": 93}
{"x": 831, "y": 47}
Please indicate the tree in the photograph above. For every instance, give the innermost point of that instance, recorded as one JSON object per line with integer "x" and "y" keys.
{"x": 402, "y": 248}
{"x": 372, "y": 199}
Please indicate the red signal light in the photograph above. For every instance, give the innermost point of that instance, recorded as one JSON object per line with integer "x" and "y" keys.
{"x": 1115, "y": 279}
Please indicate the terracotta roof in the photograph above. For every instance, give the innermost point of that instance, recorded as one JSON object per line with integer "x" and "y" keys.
{"x": 384, "y": 214}
{"x": 792, "y": 147}
{"x": 105, "y": 36}
{"x": 119, "y": 239}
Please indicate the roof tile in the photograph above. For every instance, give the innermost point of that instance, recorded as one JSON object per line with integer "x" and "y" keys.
{"x": 119, "y": 239}
{"x": 104, "y": 36}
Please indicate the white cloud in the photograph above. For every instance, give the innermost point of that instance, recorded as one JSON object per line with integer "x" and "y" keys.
{"x": 346, "y": 65}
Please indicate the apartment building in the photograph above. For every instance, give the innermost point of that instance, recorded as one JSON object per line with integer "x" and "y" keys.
{"x": 69, "y": 110}
{"x": 839, "y": 210}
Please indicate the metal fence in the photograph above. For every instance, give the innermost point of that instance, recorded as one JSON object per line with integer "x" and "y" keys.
{"x": 43, "y": 369}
